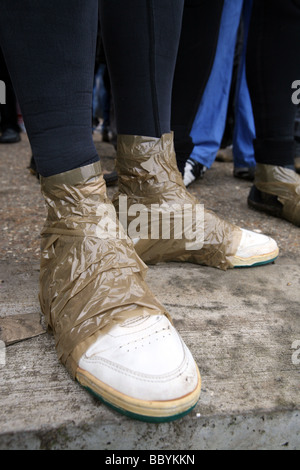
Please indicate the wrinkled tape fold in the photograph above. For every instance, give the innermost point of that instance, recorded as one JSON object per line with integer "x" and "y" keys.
{"x": 148, "y": 175}
{"x": 86, "y": 283}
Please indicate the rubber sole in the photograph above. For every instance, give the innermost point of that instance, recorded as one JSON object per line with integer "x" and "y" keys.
{"x": 111, "y": 179}
{"x": 149, "y": 411}
{"x": 255, "y": 260}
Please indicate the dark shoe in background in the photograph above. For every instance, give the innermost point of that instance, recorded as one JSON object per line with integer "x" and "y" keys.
{"x": 276, "y": 192}
{"x": 264, "y": 202}
{"x": 247, "y": 174}
{"x": 111, "y": 179}
{"x": 10, "y": 136}
{"x": 105, "y": 135}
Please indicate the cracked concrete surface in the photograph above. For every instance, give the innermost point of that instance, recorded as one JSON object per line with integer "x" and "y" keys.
{"x": 242, "y": 327}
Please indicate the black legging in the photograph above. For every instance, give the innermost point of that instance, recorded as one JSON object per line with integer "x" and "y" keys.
{"x": 197, "y": 48}
{"x": 273, "y": 64}
{"x": 141, "y": 39}
{"x": 50, "y": 52}
{"x": 49, "y": 49}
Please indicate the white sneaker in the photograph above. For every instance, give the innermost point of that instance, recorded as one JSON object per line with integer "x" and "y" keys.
{"x": 193, "y": 171}
{"x": 143, "y": 369}
{"x": 255, "y": 250}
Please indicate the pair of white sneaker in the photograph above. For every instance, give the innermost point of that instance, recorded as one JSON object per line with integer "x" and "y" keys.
{"x": 142, "y": 367}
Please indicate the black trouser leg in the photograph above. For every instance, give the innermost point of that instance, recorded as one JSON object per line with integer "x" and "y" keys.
{"x": 141, "y": 40}
{"x": 198, "y": 43}
{"x": 273, "y": 64}
{"x": 49, "y": 49}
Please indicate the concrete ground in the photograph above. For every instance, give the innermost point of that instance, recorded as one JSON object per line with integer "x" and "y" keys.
{"x": 242, "y": 327}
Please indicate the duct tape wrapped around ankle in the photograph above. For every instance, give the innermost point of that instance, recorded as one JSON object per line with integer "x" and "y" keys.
{"x": 91, "y": 276}
{"x": 283, "y": 183}
{"x": 183, "y": 233}
{"x": 173, "y": 225}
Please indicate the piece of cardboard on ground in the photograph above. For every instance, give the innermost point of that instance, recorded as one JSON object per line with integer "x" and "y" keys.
{"x": 20, "y": 327}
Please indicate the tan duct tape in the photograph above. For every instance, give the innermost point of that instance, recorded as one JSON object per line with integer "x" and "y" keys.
{"x": 91, "y": 276}
{"x": 283, "y": 183}
{"x": 150, "y": 183}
